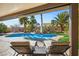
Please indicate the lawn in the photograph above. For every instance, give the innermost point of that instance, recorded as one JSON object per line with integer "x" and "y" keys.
{"x": 64, "y": 39}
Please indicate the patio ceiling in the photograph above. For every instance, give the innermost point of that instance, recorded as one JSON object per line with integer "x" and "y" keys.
{"x": 9, "y": 8}
{"x": 14, "y": 10}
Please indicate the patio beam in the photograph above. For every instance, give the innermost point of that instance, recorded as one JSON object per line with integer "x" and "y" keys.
{"x": 74, "y": 28}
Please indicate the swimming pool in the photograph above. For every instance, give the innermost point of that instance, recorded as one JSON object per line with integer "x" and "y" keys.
{"x": 33, "y": 36}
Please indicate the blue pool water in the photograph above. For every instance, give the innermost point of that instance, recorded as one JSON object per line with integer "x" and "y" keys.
{"x": 33, "y": 36}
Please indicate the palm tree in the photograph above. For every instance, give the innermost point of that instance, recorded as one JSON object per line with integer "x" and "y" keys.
{"x": 53, "y": 22}
{"x": 62, "y": 20}
{"x": 54, "y": 25}
{"x": 32, "y": 22}
{"x": 24, "y": 20}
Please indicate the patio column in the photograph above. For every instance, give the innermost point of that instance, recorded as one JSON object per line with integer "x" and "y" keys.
{"x": 41, "y": 28}
{"x": 74, "y": 28}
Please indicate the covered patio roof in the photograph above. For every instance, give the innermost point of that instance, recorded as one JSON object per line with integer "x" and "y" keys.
{"x": 13, "y": 10}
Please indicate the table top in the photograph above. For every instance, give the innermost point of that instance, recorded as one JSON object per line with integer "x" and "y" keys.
{"x": 40, "y": 50}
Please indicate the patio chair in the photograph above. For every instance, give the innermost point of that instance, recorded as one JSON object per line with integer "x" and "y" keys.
{"x": 58, "y": 48}
{"x": 21, "y": 48}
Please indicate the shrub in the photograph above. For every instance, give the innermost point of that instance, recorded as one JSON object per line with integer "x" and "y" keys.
{"x": 3, "y": 28}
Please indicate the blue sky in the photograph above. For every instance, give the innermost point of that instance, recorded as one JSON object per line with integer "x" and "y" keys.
{"x": 47, "y": 17}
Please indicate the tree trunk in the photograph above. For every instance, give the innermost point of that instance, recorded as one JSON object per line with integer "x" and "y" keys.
{"x": 62, "y": 28}
{"x": 24, "y": 28}
{"x": 32, "y": 27}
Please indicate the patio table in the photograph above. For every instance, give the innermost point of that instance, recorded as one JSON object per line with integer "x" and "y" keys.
{"x": 39, "y": 50}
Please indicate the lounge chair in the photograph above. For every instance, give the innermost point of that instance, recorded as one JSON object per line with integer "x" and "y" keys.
{"x": 58, "y": 48}
{"x": 21, "y": 48}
